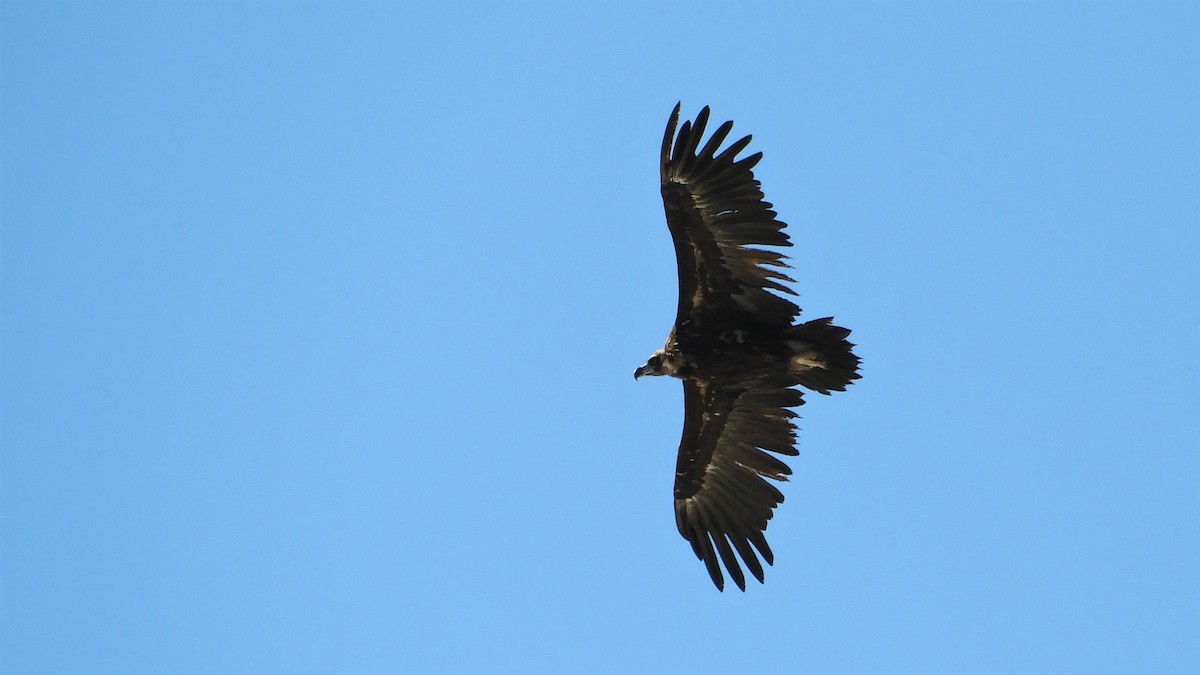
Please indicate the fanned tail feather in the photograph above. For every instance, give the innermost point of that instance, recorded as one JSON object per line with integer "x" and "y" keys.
{"x": 822, "y": 357}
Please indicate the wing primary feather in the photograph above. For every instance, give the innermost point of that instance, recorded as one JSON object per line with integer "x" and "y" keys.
{"x": 749, "y": 162}
{"x": 725, "y": 525}
{"x": 734, "y": 148}
{"x": 695, "y": 133}
{"x": 748, "y": 557}
{"x": 764, "y": 549}
{"x": 668, "y": 138}
{"x": 735, "y": 528}
{"x": 715, "y": 141}
{"x": 730, "y": 561}
{"x": 681, "y": 139}
{"x": 708, "y": 555}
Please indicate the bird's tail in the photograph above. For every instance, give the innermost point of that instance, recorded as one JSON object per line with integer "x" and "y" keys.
{"x": 821, "y": 355}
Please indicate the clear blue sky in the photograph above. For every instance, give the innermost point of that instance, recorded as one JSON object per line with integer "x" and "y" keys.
{"x": 319, "y": 325}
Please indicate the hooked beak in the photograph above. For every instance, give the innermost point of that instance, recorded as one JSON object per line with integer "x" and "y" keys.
{"x": 639, "y": 372}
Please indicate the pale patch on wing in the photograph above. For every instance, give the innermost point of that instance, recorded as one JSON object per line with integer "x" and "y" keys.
{"x": 744, "y": 301}
{"x": 804, "y": 356}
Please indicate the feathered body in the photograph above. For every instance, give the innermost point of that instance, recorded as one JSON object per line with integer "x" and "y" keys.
{"x": 736, "y": 347}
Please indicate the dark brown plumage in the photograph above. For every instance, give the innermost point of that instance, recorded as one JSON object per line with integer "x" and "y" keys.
{"x": 736, "y": 349}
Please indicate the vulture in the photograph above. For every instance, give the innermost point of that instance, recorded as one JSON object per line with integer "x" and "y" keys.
{"x": 737, "y": 347}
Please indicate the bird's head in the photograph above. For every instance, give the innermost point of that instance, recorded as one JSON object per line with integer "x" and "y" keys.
{"x": 656, "y": 365}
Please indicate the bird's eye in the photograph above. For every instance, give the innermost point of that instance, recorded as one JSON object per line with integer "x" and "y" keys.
{"x": 655, "y": 363}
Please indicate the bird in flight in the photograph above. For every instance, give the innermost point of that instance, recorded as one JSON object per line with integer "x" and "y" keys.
{"x": 737, "y": 348}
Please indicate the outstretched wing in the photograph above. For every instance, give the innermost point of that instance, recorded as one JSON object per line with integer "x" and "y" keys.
{"x": 718, "y": 216}
{"x": 722, "y": 498}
